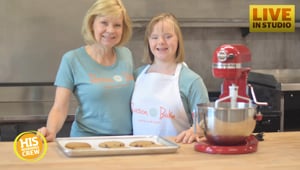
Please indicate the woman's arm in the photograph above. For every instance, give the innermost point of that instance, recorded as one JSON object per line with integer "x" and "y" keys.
{"x": 57, "y": 114}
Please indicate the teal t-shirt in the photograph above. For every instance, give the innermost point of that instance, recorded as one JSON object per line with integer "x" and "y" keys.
{"x": 192, "y": 89}
{"x": 103, "y": 92}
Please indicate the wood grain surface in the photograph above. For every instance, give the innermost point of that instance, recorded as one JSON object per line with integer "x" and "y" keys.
{"x": 279, "y": 150}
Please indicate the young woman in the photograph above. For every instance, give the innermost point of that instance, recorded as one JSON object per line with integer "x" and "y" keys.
{"x": 166, "y": 90}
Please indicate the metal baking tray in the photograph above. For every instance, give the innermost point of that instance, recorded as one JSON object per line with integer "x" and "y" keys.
{"x": 167, "y": 146}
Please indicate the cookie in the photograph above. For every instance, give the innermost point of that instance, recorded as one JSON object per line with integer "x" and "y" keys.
{"x": 77, "y": 145}
{"x": 112, "y": 144}
{"x": 143, "y": 143}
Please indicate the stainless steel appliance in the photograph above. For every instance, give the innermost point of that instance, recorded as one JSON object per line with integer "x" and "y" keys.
{"x": 287, "y": 91}
{"x": 25, "y": 107}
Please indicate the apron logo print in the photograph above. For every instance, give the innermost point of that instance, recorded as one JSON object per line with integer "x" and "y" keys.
{"x": 153, "y": 112}
{"x": 164, "y": 113}
{"x": 139, "y": 111}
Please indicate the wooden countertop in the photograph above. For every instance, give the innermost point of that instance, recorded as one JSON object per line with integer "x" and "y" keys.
{"x": 279, "y": 150}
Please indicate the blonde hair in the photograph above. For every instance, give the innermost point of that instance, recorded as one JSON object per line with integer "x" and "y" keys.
{"x": 106, "y": 8}
{"x": 180, "y": 53}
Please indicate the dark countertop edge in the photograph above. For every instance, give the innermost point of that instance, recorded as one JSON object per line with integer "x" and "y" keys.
{"x": 284, "y": 87}
{"x": 31, "y": 118}
{"x": 290, "y": 86}
{"x": 9, "y": 84}
{"x": 203, "y": 22}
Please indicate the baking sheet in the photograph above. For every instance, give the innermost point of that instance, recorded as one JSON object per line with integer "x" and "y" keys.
{"x": 167, "y": 146}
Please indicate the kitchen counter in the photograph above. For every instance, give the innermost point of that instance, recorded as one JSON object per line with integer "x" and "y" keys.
{"x": 289, "y": 86}
{"x": 28, "y": 102}
{"x": 289, "y": 79}
{"x": 16, "y": 117}
{"x": 279, "y": 150}
{"x": 13, "y": 112}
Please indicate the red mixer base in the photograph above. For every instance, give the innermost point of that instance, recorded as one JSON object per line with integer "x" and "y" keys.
{"x": 250, "y": 146}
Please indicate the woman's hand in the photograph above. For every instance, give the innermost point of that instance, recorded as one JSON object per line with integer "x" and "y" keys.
{"x": 50, "y": 136}
{"x": 188, "y": 136}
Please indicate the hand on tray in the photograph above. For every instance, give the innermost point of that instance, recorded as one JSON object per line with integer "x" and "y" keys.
{"x": 50, "y": 137}
{"x": 188, "y": 136}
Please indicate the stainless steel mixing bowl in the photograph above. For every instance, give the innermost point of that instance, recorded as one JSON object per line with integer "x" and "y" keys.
{"x": 225, "y": 125}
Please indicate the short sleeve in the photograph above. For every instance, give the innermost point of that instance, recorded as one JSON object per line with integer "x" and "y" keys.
{"x": 64, "y": 76}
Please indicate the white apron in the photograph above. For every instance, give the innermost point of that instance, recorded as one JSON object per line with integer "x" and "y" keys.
{"x": 157, "y": 106}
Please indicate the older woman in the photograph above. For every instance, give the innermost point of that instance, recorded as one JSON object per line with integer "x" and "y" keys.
{"x": 99, "y": 74}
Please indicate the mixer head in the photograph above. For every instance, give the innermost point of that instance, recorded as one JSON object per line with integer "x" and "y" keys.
{"x": 228, "y": 61}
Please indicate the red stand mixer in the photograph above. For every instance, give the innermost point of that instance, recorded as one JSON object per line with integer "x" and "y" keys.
{"x": 228, "y": 123}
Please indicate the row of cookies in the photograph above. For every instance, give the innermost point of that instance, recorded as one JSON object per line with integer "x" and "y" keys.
{"x": 112, "y": 144}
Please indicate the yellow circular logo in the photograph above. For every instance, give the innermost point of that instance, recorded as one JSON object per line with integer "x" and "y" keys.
{"x": 30, "y": 146}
